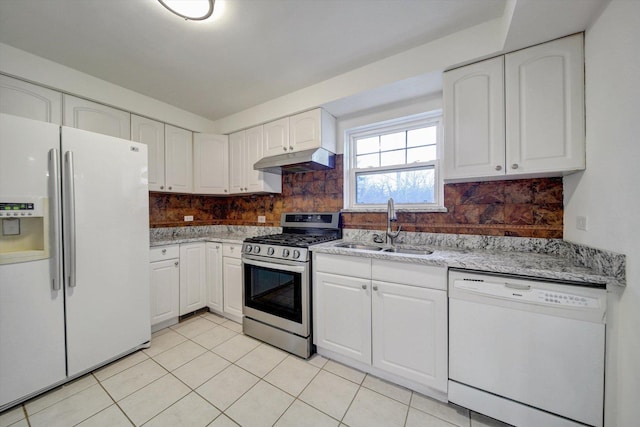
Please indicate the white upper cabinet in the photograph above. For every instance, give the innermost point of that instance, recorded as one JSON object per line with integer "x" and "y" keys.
{"x": 24, "y": 99}
{"x": 518, "y": 115}
{"x": 304, "y": 131}
{"x": 276, "y": 137}
{"x": 474, "y": 120}
{"x": 210, "y": 164}
{"x": 245, "y": 149}
{"x": 312, "y": 129}
{"x": 178, "y": 160}
{"x": 82, "y": 114}
{"x": 545, "y": 129}
{"x": 151, "y": 133}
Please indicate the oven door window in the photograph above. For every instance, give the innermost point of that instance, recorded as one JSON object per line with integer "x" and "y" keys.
{"x": 273, "y": 291}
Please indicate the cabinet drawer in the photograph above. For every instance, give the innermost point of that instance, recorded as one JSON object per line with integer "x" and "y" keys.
{"x": 160, "y": 253}
{"x": 405, "y": 273}
{"x": 232, "y": 250}
{"x": 343, "y": 265}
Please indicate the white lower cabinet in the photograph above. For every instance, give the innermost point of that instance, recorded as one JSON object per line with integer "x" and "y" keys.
{"x": 384, "y": 317}
{"x": 164, "y": 269}
{"x": 232, "y": 281}
{"x": 193, "y": 291}
{"x": 214, "y": 277}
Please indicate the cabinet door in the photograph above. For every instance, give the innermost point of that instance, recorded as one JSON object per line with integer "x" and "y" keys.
{"x": 409, "y": 327}
{"x": 474, "y": 120}
{"x": 82, "y": 114}
{"x": 276, "y": 137}
{"x": 253, "y": 153}
{"x": 210, "y": 164}
{"x": 165, "y": 290}
{"x": 214, "y": 277}
{"x": 342, "y": 315}
{"x": 151, "y": 133}
{"x": 305, "y": 130}
{"x": 178, "y": 160}
{"x": 24, "y": 99}
{"x": 193, "y": 291}
{"x": 232, "y": 287}
{"x": 236, "y": 161}
{"x": 545, "y": 107}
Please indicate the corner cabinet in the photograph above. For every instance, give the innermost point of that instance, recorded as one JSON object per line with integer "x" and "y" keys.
{"x": 245, "y": 149}
{"x": 388, "y": 318}
{"x": 210, "y": 164}
{"x": 518, "y": 115}
{"x": 304, "y": 131}
{"x": 164, "y": 275}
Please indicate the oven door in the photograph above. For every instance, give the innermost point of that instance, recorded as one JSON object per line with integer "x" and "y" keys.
{"x": 276, "y": 292}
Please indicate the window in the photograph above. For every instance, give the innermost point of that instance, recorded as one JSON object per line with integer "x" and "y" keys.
{"x": 396, "y": 159}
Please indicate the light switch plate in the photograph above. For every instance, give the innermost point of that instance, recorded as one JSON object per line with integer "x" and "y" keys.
{"x": 262, "y": 219}
{"x": 581, "y": 223}
{"x": 188, "y": 218}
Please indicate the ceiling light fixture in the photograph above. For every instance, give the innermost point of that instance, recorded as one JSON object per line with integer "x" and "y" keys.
{"x": 191, "y": 10}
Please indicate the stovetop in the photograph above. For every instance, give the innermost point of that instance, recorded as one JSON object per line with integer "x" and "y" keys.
{"x": 293, "y": 240}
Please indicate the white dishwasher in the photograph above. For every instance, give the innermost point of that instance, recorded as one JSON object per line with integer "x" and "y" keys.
{"x": 527, "y": 352}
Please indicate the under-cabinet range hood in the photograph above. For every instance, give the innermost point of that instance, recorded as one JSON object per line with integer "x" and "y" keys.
{"x": 300, "y": 161}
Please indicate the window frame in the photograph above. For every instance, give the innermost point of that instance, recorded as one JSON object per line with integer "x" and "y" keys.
{"x": 388, "y": 127}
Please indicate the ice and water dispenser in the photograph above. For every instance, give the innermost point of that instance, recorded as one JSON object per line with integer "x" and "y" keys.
{"x": 25, "y": 229}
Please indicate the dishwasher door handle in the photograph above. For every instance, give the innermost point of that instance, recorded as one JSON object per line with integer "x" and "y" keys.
{"x": 518, "y": 287}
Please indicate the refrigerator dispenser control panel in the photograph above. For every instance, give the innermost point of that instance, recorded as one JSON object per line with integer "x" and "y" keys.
{"x": 11, "y": 207}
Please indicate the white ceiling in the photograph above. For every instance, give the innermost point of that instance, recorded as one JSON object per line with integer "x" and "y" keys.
{"x": 256, "y": 50}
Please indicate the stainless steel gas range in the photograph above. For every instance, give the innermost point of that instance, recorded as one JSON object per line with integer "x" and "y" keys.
{"x": 277, "y": 280}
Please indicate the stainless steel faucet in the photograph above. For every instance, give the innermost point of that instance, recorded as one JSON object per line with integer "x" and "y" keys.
{"x": 391, "y": 217}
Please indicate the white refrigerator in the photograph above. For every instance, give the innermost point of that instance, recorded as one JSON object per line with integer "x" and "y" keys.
{"x": 74, "y": 244}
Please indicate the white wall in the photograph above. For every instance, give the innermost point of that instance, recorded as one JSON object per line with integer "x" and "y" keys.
{"x": 607, "y": 193}
{"x": 21, "y": 64}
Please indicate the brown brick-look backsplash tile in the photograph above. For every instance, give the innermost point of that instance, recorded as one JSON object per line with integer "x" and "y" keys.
{"x": 526, "y": 208}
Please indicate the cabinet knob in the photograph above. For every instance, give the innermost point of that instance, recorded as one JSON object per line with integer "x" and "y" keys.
{"x": 514, "y": 166}
{"x": 225, "y": 191}
{"x": 176, "y": 263}
{"x": 290, "y": 148}
{"x": 170, "y": 188}
{"x": 164, "y": 252}
{"x": 498, "y": 168}
{"x": 162, "y": 187}
{"x": 375, "y": 288}
{"x": 364, "y": 287}
{"x": 217, "y": 247}
{"x": 284, "y": 148}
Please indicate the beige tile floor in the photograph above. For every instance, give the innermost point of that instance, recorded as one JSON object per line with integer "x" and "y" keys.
{"x": 205, "y": 372}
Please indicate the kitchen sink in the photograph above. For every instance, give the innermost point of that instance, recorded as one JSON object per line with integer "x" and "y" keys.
{"x": 359, "y": 246}
{"x": 408, "y": 251}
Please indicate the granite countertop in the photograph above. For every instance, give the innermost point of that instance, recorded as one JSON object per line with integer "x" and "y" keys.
{"x": 528, "y": 264}
{"x": 224, "y": 238}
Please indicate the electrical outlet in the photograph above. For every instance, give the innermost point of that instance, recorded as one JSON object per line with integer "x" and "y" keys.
{"x": 188, "y": 218}
{"x": 581, "y": 223}
{"x": 262, "y": 219}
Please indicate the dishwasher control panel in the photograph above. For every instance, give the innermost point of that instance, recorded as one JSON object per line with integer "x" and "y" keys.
{"x": 565, "y": 299}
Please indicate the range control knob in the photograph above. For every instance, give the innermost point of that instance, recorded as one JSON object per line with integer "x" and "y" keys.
{"x": 270, "y": 251}
{"x": 285, "y": 253}
{"x": 296, "y": 254}
{"x": 256, "y": 249}
{"x": 247, "y": 248}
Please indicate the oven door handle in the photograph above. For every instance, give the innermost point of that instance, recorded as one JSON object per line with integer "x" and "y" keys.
{"x": 275, "y": 265}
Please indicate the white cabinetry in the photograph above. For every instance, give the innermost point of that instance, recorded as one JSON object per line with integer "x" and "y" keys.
{"x": 245, "y": 149}
{"x": 24, "y": 99}
{"x": 304, "y": 131}
{"x": 178, "y": 160}
{"x": 210, "y": 164}
{"x": 164, "y": 269}
{"x": 518, "y": 115}
{"x": 83, "y": 114}
{"x": 193, "y": 291}
{"x": 151, "y": 133}
{"x": 385, "y": 317}
{"x": 232, "y": 281}
{"x": 214, "y": 277}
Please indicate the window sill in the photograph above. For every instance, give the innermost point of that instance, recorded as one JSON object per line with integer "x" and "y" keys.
{"x": 384, "y": 210}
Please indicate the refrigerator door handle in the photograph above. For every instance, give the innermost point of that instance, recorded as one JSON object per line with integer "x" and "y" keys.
{"x": 70, "y": 222}
{"x": 54, "y": 180}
